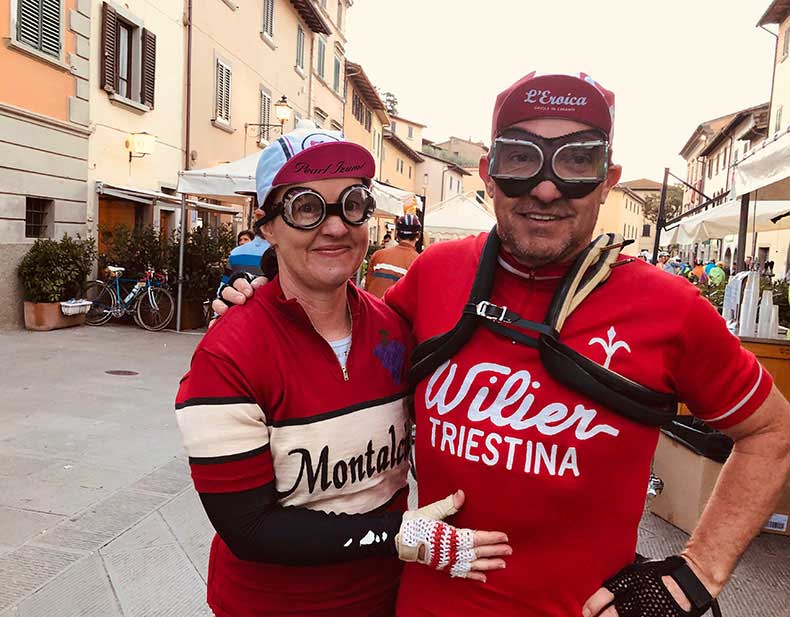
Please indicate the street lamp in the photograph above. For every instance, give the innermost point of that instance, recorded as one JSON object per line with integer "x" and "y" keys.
{"x": 139, "y": 144}
{"x": 282, "y": 111}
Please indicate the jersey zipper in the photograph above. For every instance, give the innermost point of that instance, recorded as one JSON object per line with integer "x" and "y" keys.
{"x": 343, "y": 369}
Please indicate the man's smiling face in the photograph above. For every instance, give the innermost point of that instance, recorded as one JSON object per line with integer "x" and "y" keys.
{"x": 543, "y": 227}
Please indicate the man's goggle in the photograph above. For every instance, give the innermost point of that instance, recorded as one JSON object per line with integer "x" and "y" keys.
{"x": 575, "y": 163}
{"x": 306, "y": 209}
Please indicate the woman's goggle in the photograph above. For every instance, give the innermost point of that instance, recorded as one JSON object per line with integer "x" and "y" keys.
{"x": 304, "y": 208}
{"x": 576, "y": 165}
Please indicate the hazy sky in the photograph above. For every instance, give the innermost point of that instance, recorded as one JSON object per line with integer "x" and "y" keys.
{"x": 671, "y": 63}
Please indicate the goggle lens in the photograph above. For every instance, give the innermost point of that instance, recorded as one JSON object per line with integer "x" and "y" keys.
{"x": 517, "y": 159}
{"x": 581, "y": 162}
{"x": 306, "y": 209}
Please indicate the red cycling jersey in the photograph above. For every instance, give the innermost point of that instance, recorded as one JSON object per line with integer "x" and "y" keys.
{"x": 562, "y": 475}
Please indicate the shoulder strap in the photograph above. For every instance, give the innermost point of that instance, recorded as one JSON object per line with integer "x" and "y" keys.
{"x": 433, "y": 352}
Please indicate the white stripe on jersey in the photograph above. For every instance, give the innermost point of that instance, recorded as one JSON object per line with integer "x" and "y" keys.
{"x": 221, "y": 430}
{"x": 395, "y": 269}
{"x": 743, "y": 401}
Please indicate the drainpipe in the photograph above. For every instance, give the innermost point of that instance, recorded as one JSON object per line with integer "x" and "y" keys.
{"x": 773, "y": 76}
{"x": 310, "y": 80}
{"x": 187, "y": 135}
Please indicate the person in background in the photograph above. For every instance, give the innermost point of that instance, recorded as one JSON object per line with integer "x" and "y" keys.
{"x": 387, "y": 241}
{"x": 709, "y": 266}
{"x": 717, "y": 276}
{"x": 388, "y": 265}
{"x": 245, "y": 236}
{"x": 699, "y": 273}
{"x": 663, "y": 259}
{"x": 246, "y": 257}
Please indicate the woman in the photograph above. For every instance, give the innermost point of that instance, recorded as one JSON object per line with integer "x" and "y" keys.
{"x": 293, "y": 414}
{"x": 245, "y": 236}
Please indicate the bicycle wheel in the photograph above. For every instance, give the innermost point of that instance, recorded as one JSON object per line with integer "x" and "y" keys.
{"x": 103, "y": 299}
{"x": 155, "y": 308}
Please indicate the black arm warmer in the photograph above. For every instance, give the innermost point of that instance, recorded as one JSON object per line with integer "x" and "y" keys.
{"x": 255, "y": 528}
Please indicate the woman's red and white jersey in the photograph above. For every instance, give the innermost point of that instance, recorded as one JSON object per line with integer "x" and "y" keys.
{"x": 561, "y": 474}
{"x": 267, "y": 401}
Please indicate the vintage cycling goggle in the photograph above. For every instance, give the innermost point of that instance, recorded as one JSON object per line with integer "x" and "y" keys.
{"x": 304, "y": 208}
{"x": 576, "y": 163}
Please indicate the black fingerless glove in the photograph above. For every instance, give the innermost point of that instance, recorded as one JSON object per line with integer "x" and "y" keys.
{"x": 233, "y": 278}
{"x": 639, "y": 591}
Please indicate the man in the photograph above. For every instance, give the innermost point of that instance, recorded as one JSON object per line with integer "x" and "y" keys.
{"x": 709, "y": 266}
{"x": 663, "y": 258}
{"x": 563, "y": 474}
{"x": 388, "y": 265}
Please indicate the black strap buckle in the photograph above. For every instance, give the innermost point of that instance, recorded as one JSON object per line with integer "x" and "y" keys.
{"x": 489, "y": 311}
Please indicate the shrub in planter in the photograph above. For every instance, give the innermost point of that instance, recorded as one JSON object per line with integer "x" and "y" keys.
{"x": 135, "y": 249}
{"x": 205, "y": 256}
{"x": 52, "y": 272}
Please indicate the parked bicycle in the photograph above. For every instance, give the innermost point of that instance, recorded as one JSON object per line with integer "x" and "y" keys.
{"x": 149, "y": 301}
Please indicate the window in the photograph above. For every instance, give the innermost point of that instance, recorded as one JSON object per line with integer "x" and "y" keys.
{"x": 128, "y": 57}
{"x": 399, "y": 166}
{"x": 392, "y": 126}
{"x": 710, "y": 168}
{"x": 300, "y": 47}
{"x": 409, "y": 172}
{"x": 718, "y": 160}
{"x": 124, "y": 59}
{"x": 360, "y": 111}
{"x": 268, "y": 17}
{"x": 451, "y": 183}
{"x": 320, "y": 116}
{"x": 336, "y": 126}
{"x": 339, "y": 14}
{"x": 336, "y": 76}
{"x": 645, "y": 231}
{"x": 36, "y": 215}
{"x": 724, "y": 159}
{"x": 320, "y": 59}
{"x": 222, "y": 92}
{"x": 265, "y": 116}
{"x": 38, "y": 25}
{"x": 778, "y": 124}
{"x": 786, "y": 44}
{"x": 411, "y": 132}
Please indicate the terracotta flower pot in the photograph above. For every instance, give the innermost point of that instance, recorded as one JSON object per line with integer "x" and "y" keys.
{"x": 48, "y": 316}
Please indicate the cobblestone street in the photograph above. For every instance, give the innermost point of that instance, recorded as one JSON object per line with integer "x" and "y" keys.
{"x": 97, "y": 513}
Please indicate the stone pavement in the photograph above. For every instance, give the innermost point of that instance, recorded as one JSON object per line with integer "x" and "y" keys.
{"x": 97, "y": 514}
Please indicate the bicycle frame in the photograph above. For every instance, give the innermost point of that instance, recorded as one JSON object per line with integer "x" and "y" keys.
{"x": 127, "y": 303}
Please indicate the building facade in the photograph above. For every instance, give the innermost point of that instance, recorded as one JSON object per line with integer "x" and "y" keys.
{"x": 623, "y": 213}
{"x": 137, "y": 109}
{"x": 44, "y": 47}
{"x": 365, "y": 114}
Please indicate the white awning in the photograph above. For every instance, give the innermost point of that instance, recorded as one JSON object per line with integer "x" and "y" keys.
{"x": 226, "y": 181}
{"x": 768, "y": 164}
{"x": 149, "y": 197}
{"x": 457, "y": 217}
{"x": 724, "y": 220}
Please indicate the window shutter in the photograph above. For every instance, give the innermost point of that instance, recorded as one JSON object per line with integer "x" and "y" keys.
{"x": 268, "y": 17}
{"x": 28, "y": 22}
{"x": 148, "y": 72}
{"x": 109, "y": 45}
{"x": 265, "y": 116}
{"x": 222, "y": 111}
{"x": 50, "y": 27}
{"x": 39, "y": 25}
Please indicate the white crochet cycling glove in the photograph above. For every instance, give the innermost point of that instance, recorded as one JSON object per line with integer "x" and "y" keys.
{"x": 447, "y": 548}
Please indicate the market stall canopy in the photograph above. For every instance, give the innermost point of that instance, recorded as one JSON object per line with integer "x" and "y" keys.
{"x": 767, "y": 168}
{"x": 390, "y": 200}
{"x": 457, "y": 217}
{"x": 723, "y": 220}
{"x": 226, "y": 181}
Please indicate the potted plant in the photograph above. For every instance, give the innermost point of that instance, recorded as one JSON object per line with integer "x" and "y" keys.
{"x": 53, "y": 272}
{"x": 205, "y": 256}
